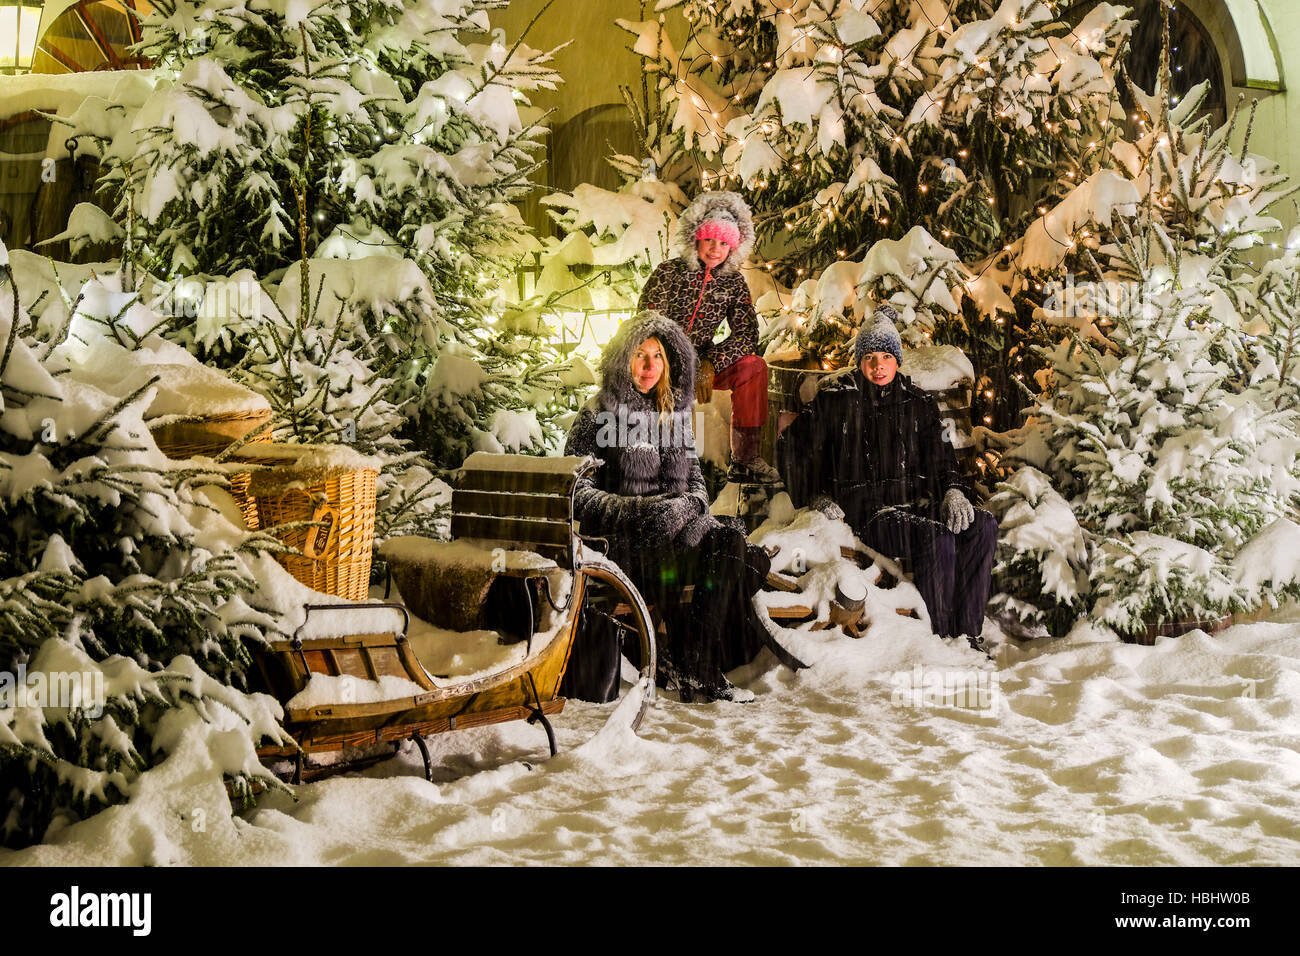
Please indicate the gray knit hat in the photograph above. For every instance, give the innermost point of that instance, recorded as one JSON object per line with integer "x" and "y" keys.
{"x": 880, "y": 336}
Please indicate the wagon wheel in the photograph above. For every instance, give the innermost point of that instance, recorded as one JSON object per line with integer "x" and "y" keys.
{"x": 611, "y": 574}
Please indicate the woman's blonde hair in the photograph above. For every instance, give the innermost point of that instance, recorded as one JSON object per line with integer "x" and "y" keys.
{"x": 664, "y": 387}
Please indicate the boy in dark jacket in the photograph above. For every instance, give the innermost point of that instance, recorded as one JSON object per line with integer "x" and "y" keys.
{"x": 873, "y": 442}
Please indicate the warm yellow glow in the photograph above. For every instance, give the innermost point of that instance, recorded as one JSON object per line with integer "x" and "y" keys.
{"x": 590, "y": 331}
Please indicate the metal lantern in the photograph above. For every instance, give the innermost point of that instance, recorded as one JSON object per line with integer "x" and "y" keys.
{"x": 19, "y": 24}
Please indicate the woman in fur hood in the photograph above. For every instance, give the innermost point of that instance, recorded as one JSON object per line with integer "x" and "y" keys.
{"x": 700, "y": 289}
{"x": 649, "y": 501}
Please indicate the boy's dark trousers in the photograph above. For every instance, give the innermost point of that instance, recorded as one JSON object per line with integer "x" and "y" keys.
{"x": 952, "y": 571}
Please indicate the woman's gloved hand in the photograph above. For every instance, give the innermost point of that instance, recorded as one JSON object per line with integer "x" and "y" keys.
{"x": 664, "y": 516}
{"x": 958, "y": 512}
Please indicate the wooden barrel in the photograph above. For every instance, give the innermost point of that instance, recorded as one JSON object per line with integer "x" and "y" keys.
{"x": 784, "y": 387}
{"x": 954, "y": 411}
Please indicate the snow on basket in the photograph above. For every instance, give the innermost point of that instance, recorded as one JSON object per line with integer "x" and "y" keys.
{"x": 319, "y": 499}
{"x": 197, "y": 410}
{"x": 210, "y": 435}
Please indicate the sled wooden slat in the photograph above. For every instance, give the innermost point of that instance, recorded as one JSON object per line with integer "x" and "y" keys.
{"x": 389, "y": 734}
{"x": 350, "y": 640}
{"x": 791, "y": 613}
{"x": 511, "y": 530}
{"x": 779, "y": 582}
{"x": 516, "y": 482}
{"x": 505, "y": 504}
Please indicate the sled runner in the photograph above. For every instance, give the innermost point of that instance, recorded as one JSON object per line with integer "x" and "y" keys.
{"x": 502, "y": 602}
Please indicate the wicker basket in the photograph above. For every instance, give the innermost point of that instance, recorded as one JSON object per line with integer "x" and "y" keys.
{"x": 212, "y": 434}
{"x": 335, "y": 558}
{"x": 247, "y": 503}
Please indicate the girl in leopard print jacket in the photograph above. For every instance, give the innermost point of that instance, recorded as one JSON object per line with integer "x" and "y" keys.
{"x": 700, "y": 289}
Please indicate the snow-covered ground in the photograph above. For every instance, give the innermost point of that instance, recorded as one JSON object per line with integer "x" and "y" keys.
{"x": 1079, "y": 750}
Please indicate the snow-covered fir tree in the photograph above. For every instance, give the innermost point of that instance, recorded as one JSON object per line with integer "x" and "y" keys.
{"x": 125, "y": 594}
{"x": 1167, "y": 419}
{"x": 284, "y": 134}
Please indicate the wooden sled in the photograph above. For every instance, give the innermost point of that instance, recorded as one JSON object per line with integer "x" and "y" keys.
{"x": 513, "y": 539}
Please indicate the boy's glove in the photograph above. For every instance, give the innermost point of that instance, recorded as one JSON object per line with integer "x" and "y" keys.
{"x": 958, "y": 512}
{"x": 827, "y": 506}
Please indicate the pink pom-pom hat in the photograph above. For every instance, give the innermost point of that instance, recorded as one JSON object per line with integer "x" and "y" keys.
{"x": 719, "y": 229}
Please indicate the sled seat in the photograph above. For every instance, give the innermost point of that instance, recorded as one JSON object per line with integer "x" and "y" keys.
{"x": 514, "y": 539}
{"x": 513, "y": 546}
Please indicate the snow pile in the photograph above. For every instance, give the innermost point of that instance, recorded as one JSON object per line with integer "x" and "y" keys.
{"x": 184, "y": 388}
{"x": 282, "y": 468}
{"x": 557, "y": 465}
{"x": 1271, "y": 561}
{"x": 811, "y": 553}
{"x": 937, "y": 368}
{"x": 323, "y": 690}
